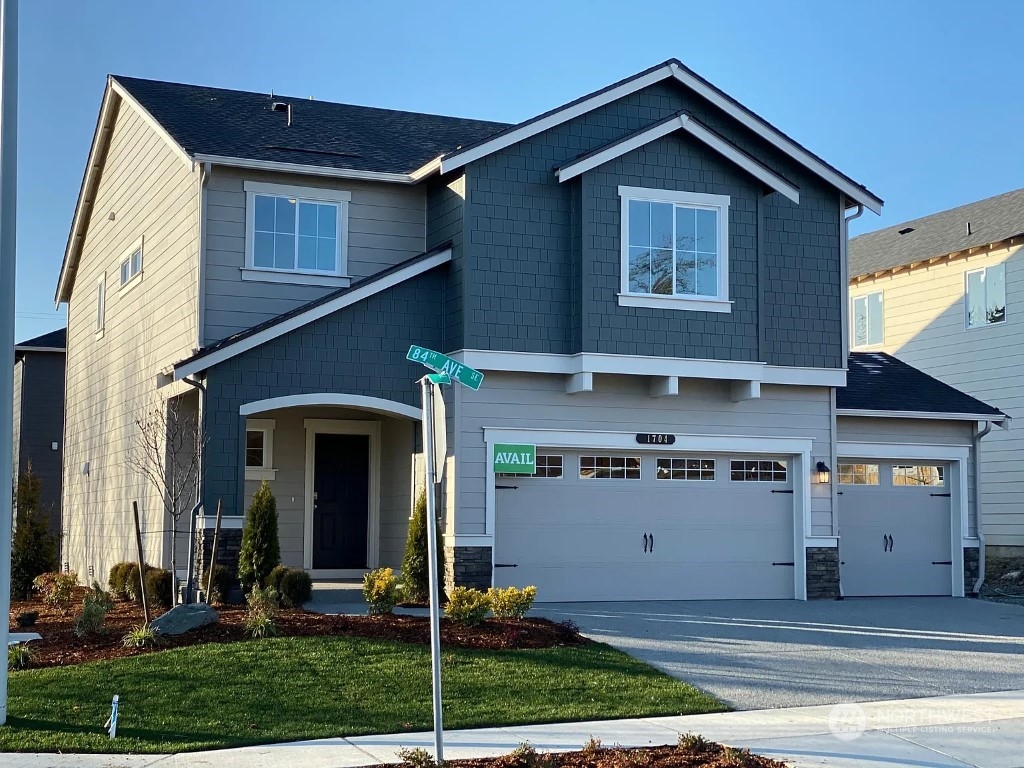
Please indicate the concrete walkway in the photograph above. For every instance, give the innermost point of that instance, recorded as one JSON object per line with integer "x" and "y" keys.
{"x": 982, "y": 730}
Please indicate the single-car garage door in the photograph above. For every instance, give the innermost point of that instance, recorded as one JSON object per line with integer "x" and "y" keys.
{"x": 593, "y": 525}
{"x": 894, "y": 526}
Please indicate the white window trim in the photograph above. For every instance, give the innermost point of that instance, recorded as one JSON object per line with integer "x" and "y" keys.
{"x": 267, "y": 471}
{"x": 967, "y": 303}
{"x": 100, "y": 308}
{"x": 135, "y": 279}
{"x": 339, "y": 278}
{"x": 720, "y": 203}
{"x": 853, "y": 313}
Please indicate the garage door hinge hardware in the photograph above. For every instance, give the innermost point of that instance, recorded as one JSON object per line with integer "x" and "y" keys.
{"x": 793, "y": 564}
{"x": 940, "y": 494}
{"x": 775, "y": 491}
{"x": 942, "y": 562}
{"x": 506, "y": 487}
{"x": 506, "y": 565}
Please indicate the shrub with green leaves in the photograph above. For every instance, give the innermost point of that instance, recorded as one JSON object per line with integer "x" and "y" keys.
{"x": 467, "y": 606}
{"x": 220, "y": 588}
{"x": 57, "y": 589}
{"x": 510, "y": 602}
{"x": 263, "y": 605}
{"x": 380, "y": 590}
{"x": 95, "y": 606}
{"x": 260, "y": 552}
{"x": 117, "y": 580}
{"x": 27, "y": 619}
{"x": 141, "y": 636}
{"x": 159, "y": 586}
{"x": 294, "y": 586}
{"x": 33, "y": 549}
{"x": 18, "y": 657}
{"x": 417, "y": 757}
{"x": 415, "y": 565}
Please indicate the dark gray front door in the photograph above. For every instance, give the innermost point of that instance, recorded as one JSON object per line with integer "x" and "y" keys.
{"x": 341, "y": 501}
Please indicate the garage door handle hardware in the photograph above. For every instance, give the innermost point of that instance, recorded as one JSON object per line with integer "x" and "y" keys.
{"x": 652, "y": 543}
{"x": 774, "y": 491}
{"x": 506, "y": 487}
{"x": 942, "y": 562}
{"x": 886, "y": 543}
{"x": 792, "y": 564}
{"x": 947, "y": 495}
{"x": 506, "y": 565}
{"x": 645, "y": 542}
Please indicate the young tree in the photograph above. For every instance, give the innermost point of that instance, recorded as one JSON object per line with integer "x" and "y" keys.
{"x": 33, "y": 550}
{"x": 260, "y": 552}
{"x": 415, "y": 568}
{"x": 166, "y": 450}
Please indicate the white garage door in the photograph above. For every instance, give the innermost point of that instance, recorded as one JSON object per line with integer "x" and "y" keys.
{"x": 594, "y": 525}
{"x": 894, "y": 526}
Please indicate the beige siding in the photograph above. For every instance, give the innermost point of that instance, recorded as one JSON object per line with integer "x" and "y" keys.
{"x": 289, "y": 482}
{"x": 623, "y": 404}
{"x": 146, "y": 191}
{"x": 387, "y": 225}
{"x": 862, "y": 429}
{"x": 925, "y": 326}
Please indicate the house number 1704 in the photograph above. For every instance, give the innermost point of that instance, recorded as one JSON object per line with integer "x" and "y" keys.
{"x": 655, "y": 438}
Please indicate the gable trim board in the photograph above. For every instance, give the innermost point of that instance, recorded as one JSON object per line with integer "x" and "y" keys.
{"x": 681, "y": 121}
{"x": 671, "y": 69}
{"x": 374, "y": 404}
{"x": 348, "y": 297}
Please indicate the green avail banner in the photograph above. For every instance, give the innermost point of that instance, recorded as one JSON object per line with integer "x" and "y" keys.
{"x": 515, "y": 459}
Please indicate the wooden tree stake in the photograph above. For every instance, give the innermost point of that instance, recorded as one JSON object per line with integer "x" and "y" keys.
{"x": 142, "y": 562}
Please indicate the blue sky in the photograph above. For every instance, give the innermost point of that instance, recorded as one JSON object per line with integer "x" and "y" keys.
{"x": 917, "y": 99}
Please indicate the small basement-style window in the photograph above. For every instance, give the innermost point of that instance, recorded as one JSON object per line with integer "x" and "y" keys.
{"x": 986, "y": 296}
{"x": 868, "y": 320}
{"x": 858, "y": 474}
{"x": 675, "y": 250}
{"x": 918, "y": 475}
{"x": 770, "y": 471}
{"x": 686, "y": 469}
{"x": 609, "y": 467}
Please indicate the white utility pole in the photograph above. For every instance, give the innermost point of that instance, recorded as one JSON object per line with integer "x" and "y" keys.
{"x": 429, "y": 444}
{"x": 8, "y": 245}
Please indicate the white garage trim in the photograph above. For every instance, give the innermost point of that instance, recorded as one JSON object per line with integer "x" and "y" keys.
{"x": 797, "y": 447}
{"x": 958, "y": 457}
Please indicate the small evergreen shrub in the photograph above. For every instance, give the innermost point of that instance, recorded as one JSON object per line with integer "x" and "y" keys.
{"x": 159, "y": 586}
{"x": 467, "y": 606}
{"x": 94, "y": 611}
{"x": 415, "y": 563}
{"x": 260, "y": 620}
{"x": 526, "y": 756}
{"x": 511, "y": 603}
{"x": 57, "y": 589}
{"x": 18, "y": 657}
{"x": 117, "y": 581}
{"x": 141, "y": 636}
{"x": 380, "y": 590}
{"x": 33, "y": 549}
{"x": 417, "y": 758}
{"x": 221, "y": 585}
{"x": 694, "y": 743}
{"x": 260, "y": 552}
{"x": 27, "y": 619}
{"x": 293, "y": 585}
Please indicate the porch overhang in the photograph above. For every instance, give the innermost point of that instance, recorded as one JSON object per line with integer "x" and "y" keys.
{"x": 339, "y": 399}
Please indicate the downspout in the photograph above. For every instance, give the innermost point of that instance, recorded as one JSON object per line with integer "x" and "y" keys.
{"x": 977, "y": 506}
{"x": 204, "y": 178}
{"x": 194, "y": 516}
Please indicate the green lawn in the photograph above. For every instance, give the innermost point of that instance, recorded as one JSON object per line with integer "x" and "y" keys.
{"x": 282, "y": 689}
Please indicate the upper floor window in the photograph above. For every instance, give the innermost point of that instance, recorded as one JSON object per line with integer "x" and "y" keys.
{"x": 675, "y": 250}
{"x": 101, "y": 304}
{"x": 868, "y": 320}
{"x": 986, "y": 296}
{"x": 259, "y": 449}
{"x": 301, "y": 231}
{"x": 131, "y": 265}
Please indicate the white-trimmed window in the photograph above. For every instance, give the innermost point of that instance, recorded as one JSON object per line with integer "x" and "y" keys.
{"x": 259, "y": 449}
{"x": 918, "y": 475}
{"x": 986, "y": 296}
{"x": 675, "y": 250}
{"x": 101, "y": 304}
{"x": 131, "y": 265}
{"x": 868, "y": 320}
{"x": 686, "y": 469}
{"x": 609, "y": 467}
{"x": 296, "y": 234}
{"x": 758, "y": 471}
{"x": 858, "y": 474}
{"x": 547, "y": 465}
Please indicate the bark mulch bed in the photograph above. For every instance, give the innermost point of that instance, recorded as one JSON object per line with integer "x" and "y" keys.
{"x": 60, "y": 646}
{"x": 692, "y": 752}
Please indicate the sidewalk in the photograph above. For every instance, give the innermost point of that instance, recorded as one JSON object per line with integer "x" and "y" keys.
{"x": 981, "y": 730}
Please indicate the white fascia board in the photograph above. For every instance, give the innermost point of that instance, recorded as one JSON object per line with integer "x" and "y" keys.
{"x": 298, "y": 321}
{"x": 805, "y": 377}
{"x": 919, "y": 415}
{"x": 858, "y": 450}
{"x": 362, "y": 402}
{"x": 572, "y": 170}
{"x": 459, "y": 159}
{"x": 773, "y": 137}
{"x": 62, "y": 350}
{"x": 306, "y": 170}
{"x": 427, "y": 169}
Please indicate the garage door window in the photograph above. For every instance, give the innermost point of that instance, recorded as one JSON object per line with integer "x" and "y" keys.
{"x": 758, "y": 471}
{"x": 686, "y": 469}
{"x": 858, "y": 474}
{"x": 926, "y": 476}
{"x": 609, "y": 467}
{"x": 548, "y": 465}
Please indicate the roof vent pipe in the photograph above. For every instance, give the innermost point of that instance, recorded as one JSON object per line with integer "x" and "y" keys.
{"x": 280, "y": 106}
{"x": 968, "y": 227}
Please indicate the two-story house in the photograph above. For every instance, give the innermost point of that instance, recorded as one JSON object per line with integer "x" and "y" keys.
{"x": 651, "y": 277}
{"x": 940, "y": 293}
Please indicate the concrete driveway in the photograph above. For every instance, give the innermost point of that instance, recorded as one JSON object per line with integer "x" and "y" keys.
{"x": 765, "y": 654}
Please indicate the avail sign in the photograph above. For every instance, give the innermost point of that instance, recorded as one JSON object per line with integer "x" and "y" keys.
{"x": 515, "y": 459}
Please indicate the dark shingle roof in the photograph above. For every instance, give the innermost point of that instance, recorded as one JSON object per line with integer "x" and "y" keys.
{"x": 992, "y": 220}
{"x": 53, "y": 340}
{"x": 879, "y": 382}
{"x": 217, "y": 121}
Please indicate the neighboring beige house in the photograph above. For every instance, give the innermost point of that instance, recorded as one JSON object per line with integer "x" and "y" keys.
{"x": 945, "y": 293}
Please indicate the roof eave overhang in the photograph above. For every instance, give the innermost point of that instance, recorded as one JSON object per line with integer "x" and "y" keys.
{"x": 1004, "y": 243}
{"x": 996, "y": 418}
{"x": 314, "y": 170}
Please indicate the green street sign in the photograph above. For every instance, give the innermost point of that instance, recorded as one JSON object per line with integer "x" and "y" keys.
{"x": 515, "y": 459}
{"x": 469, "y": 377}
{"x": 440, "y": 378}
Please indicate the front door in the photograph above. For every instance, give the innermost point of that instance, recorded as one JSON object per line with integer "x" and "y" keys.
{"x": 341, "y": 501}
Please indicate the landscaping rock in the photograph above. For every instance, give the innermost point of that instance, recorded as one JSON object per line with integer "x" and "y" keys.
{"x": 183, "y": 618}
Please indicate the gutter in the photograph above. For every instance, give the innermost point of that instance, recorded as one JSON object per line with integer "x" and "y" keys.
{"x": 1004, "y": 424}
{"x": 201, "y": 449}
